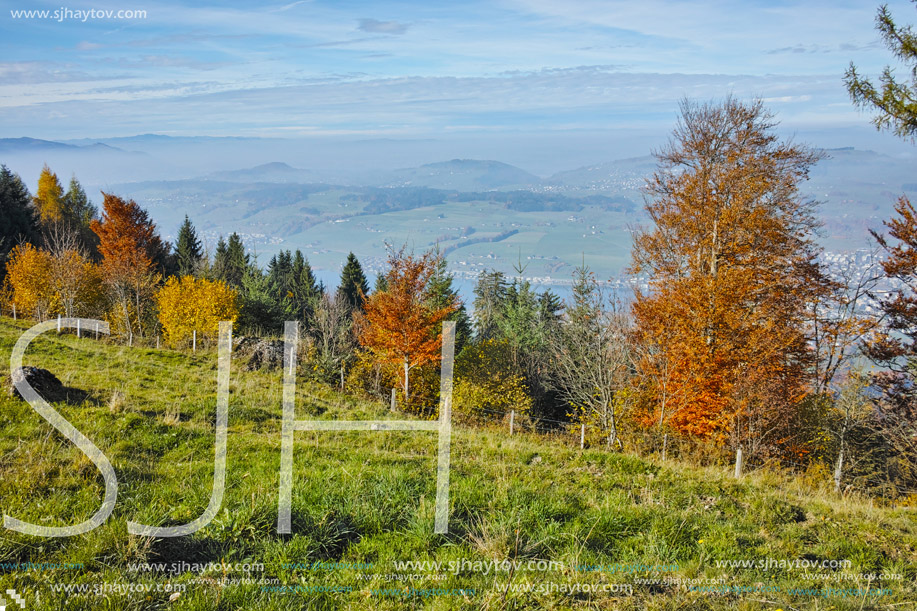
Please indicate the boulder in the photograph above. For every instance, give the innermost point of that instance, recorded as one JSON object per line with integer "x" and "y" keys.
{"x": 259, "y": 353}
{"x": 43, "y": 381}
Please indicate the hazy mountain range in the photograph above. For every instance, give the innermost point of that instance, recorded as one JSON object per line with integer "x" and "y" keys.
{"x": 483, "y": 213}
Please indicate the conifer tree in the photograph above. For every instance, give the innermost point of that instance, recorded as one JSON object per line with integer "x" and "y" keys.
{"x": 188, "y": 251}
{"x": 18, "y": 217}
{"x": 231, "y": 261}
{"x": 353, "y": 286}
{"x": 442, "y": 294}
{"x": 895, "y": 100}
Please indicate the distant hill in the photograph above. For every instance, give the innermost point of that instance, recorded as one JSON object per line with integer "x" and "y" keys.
{"x": 35, "y": 145}
{"x": 276, "y": 171}
{"x": 464, "y": 175}
{"x": 619, "y": 175}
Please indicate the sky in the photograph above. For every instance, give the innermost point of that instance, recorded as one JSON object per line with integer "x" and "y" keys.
{"x": 423, "y": 69}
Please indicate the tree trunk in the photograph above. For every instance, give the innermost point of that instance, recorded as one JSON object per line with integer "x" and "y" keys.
{"x": 407, "y": 395}
{"x": 839, "y": 470}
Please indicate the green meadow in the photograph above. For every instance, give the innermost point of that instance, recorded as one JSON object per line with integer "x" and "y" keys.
{"x": 535, "y": 522}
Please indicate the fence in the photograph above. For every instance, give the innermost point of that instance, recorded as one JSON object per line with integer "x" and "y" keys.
{"x": 565, "y": 431}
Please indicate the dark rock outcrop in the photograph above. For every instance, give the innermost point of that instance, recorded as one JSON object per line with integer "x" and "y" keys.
{"x": 259, "y": 353}
{"x": 43, "y": 381}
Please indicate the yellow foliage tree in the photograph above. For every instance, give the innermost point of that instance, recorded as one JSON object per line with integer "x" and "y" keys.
{"x": 49, "y": 201}
{"x": 46, "y": 284}
{"x": 29, "y": 278}
{"x": 190, "y": 304}
{"x": 487, "y": 379}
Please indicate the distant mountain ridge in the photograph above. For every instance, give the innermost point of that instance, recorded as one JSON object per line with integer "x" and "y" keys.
{"x": 36, "y": 145}
{"x": 464, "y": 175}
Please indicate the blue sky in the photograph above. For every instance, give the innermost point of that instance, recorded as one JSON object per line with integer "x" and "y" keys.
{"x": 423, "y": 69}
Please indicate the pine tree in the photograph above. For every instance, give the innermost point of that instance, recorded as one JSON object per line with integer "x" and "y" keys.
{"x": 231, "y": 261}
{"x": 381, "y": 284}
{"x": 442, "y": 294}
{"x": 353, "y": 286}
{"x": 259, "y": 311}
{"x": 489, "y": 297}
{"x": 188, "y": 251}
{"x": 895, "y": 101}
{"x": 78, "y": 214}
{"x": 18, "y": 217}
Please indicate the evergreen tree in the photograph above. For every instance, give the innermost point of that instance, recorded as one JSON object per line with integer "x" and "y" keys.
{"x": 442, "y": 294}
{"x": 78, "y": 214}
{"x": 188, "y": 251}
{"x": 895, "y": 101}
{"x": 18, "y": 217}
{"x": 231, "y": 261}
{"x": 489, "y": 299}
{"x": 259, "y": 312}
{"x": 307, "y": 291}
{"x": 381, "y": 284}
{"x": 353, "y": 287}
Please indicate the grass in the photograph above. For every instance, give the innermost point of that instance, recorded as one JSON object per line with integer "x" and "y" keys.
{"x": 363, "y": 501}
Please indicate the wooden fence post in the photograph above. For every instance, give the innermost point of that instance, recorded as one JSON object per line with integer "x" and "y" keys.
{"x": 512, "y": 419}
{"x": 194, "y": 341}
{"x": 78, "y": 328}
{"x": 342, "y": 378}
{"x": 582, "y": 436}
{"x": 738, "y": 473}
{"x": 130, "y": 339}
{"x": 14, "y": 311}
{"x": 393, "y": 400}
{"x": 58, "y": 324}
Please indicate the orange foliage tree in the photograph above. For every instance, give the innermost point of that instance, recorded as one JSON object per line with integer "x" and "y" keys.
{"x": 190, "y": 304}
{"x": 730, "y": 265}
{"x": 128, "y": 243}
{"x": 400, "y": 325}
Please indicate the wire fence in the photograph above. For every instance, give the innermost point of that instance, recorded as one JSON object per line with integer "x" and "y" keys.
{"x": 567, "y": 432}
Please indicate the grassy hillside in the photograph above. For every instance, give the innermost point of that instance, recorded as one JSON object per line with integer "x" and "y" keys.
{"x": 572, "y": 520}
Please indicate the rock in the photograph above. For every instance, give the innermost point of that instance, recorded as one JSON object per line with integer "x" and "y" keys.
{"x": 260, "y": 353}
{"x": 43, "y": 381}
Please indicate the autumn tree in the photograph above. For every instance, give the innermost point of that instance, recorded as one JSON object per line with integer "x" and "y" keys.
{"x": 729, "y": 259}
{"x": 18, "y": 217}
{"x": 399, "y": 325}
{"x": 49, "y": 199}
{"x": 894, "y": 99}
{"x": 190, "y": 304}
{"x": 29, "y": 278}
{"x": 76, "y": 280}
{"x": 895, "y": 348}
{"x": 129, "y": 246}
